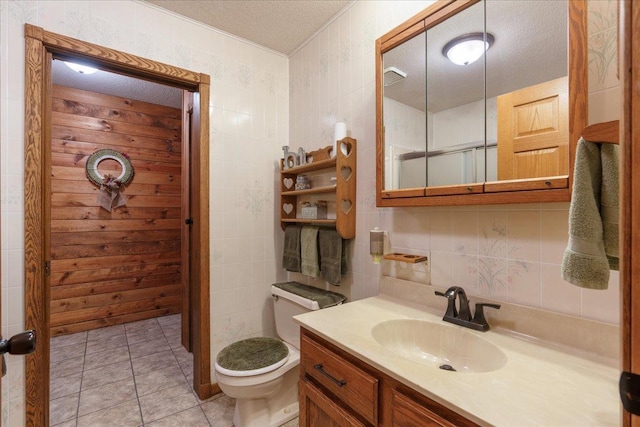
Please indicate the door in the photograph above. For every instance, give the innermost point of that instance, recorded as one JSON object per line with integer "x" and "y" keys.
{"x": 630, "y": 210}
{"x": 187, "y": 115}
{"x": 533, "y": 130}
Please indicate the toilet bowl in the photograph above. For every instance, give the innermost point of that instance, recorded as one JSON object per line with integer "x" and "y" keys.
{"x": 261, "y": 373}
{"x": 267, "y": 399}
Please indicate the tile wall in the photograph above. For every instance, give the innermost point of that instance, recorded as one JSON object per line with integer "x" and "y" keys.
{"x": 604, "y": 85}
{"x": 507, "y": 252}
{"x": 249, "y": 123}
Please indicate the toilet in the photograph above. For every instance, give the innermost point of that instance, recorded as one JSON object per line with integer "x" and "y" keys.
{"x": 261, "y": 373}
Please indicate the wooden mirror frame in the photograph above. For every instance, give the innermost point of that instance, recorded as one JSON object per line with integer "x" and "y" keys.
{"x": 536, "y": 190}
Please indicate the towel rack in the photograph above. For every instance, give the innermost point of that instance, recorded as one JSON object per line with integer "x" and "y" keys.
{"x": 606, "y": 132}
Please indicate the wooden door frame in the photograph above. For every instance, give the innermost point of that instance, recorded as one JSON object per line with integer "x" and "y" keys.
{"x": 40, "y": 47}
{"x": 629, "y": 43}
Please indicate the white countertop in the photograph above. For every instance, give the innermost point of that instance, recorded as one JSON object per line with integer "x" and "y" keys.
{"x": 540, "y": 385}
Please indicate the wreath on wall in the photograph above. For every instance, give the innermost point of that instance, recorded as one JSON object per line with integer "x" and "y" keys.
{"x": 97, "y": 178}
{"x": 109, "y": 195}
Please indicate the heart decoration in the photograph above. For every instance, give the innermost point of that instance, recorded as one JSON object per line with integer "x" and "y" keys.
{"x": 345, "y": 171}
{"x": 345, "y": 205}
{"x": 288, "y": 183}
{"x": 346, "y": 148}
{"x": 288, "y": 208}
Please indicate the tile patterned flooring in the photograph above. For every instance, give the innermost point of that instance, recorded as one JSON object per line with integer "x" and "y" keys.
{"x": 137, "y": 374}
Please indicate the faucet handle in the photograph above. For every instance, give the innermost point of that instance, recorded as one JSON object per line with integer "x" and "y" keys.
{"x": 451, "y": 303}
{"x": 479, "y": 318}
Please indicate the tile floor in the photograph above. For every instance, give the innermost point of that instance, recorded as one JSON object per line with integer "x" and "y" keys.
{"x": 137, "y": 374}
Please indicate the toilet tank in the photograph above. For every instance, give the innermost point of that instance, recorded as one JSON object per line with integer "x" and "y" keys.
{"x": 291, "y": 299}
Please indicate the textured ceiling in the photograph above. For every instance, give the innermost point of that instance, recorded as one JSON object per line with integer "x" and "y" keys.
{"x": 117, "y": 85}
{"x": 281, "y": 25}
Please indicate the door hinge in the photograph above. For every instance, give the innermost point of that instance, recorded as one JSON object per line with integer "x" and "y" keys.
{"x": 47, "y": 268}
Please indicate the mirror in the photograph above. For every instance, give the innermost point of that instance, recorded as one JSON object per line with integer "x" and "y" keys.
{"x": 455, "y": 105}
{"x": 496, "y": 125}
{"x": 405, "y": 95}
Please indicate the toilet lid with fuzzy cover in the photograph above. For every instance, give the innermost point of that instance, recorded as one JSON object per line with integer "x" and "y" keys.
{"x": 252, "y": 356}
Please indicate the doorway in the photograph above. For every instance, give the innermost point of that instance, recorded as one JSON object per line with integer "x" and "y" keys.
{"x": 41, "y": 48}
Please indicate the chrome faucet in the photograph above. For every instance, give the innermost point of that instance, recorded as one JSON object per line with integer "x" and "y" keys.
{"x": 461, "y": 315}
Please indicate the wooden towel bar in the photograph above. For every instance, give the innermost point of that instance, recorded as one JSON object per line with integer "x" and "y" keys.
{"x": 607, "y": 132}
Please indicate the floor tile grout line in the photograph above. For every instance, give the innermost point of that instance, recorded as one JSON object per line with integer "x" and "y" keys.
{"x": 135, "y": 384}
{"x": 84, "y": 359}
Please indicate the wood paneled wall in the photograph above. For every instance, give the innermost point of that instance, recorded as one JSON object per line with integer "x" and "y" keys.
{"x": 113, "y": 267}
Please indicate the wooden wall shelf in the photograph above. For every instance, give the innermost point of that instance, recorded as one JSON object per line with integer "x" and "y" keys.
{"x": 327, "y": 189}
{"x": 343, "y": 167}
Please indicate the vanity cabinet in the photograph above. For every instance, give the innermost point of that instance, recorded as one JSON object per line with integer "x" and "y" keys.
{"x": 338, "y": 389}
{"x": 342, "y": 166}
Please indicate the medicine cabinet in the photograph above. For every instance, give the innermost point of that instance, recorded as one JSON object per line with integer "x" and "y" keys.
{"x": 502, "y": 129}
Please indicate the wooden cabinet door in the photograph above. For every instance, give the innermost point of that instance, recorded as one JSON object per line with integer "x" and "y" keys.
{"x": 406, "y": 412}
{"x": 533, "y": 131}
{"x": 318, "y": 410}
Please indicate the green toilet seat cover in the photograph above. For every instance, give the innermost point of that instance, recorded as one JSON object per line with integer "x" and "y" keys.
{"x": 252, "y": 356}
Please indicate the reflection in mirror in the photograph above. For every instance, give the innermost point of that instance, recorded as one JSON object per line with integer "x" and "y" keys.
{"x": 527, "y": 87}
{"x": 436, "y": 125}
{"x": 405, "y": 123}
{"x": 455, "y": 104}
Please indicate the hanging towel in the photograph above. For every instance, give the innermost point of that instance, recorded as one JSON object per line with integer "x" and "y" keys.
{"x": 291, "y": 256}
{"x": 344, "y": 268}
{"x": 309, "y": 251}
{"x": 585, "y": 262}
{"x": 610, "y": 203}
{"x": 330, "y": 244}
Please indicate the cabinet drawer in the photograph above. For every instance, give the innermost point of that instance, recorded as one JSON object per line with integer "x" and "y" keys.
{"x": 352, "y": 385}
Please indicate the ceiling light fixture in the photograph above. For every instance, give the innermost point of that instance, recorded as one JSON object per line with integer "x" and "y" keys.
{"x": 82, "y": 69}
{"x": 393, "y": 75}
{"x": 467, "y": 49}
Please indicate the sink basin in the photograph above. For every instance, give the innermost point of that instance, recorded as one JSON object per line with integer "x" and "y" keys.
{"x": 439, "y": 345}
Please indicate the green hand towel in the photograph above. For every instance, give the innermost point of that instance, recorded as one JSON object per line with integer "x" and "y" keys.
{"x": 330, "y": 255}
{"x": 309, "y": 251}
{"x": 609, "y": 202}
{"x": 291, "y": 256}
{"x": 585, "y": 262}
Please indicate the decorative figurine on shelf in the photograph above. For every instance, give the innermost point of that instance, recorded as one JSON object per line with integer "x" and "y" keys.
{"x": 290, "y": 159}
{"x": 316, "y": 210}
{"x": 302, "y": 182}
{"x": 302, "y": 157}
